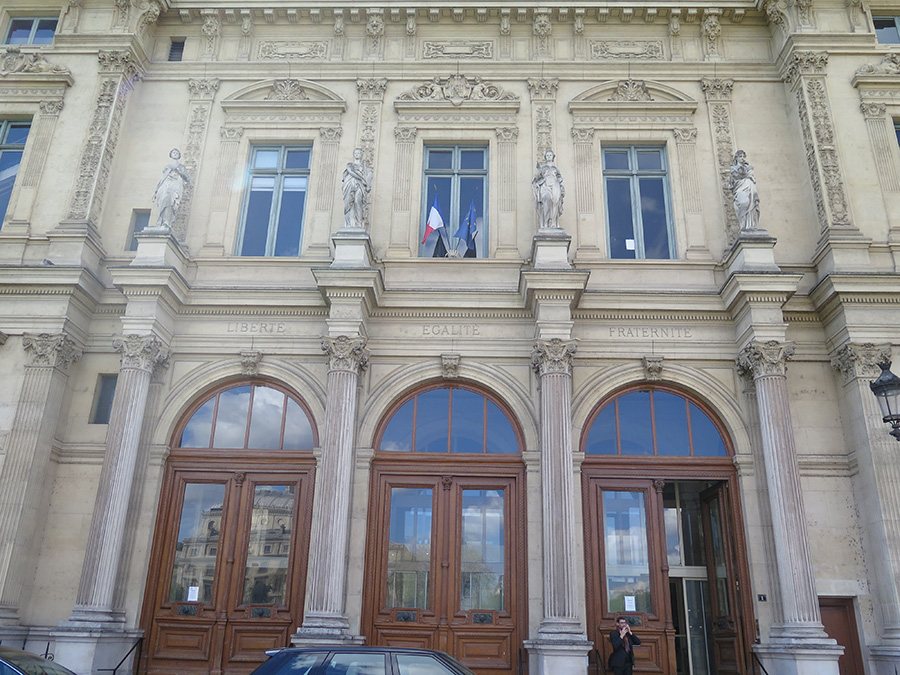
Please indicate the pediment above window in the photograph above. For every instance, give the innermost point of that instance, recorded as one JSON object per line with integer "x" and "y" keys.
{"x": 285, "y": 95}
{"x": 643, "y": 97}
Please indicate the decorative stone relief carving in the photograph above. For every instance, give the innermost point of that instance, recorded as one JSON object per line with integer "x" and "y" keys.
{"x": 553, "y": 356}
{"x": 149, "y": 15}
{"x": 250, "y": 362}
{"x": 356, "y": 184}
{"x": 450, "y": 366}
{"x": 549, "y": 192}
{"x": 762, "y": 359}
{"x": 53, "y": 351}
{"x": 631, "y": 90}
{"x": 889, "y": 65}
{"x": 653, "y": 366}
{"x": 203, "y": 88}
{"x": 293, "y": 50}
{"x": 776, "y": 13}
{"x": 457, "y": 89}
{"x": 371, "y": 89}
{"x": 745, "y": 196}
{"x": 245, "y": 43}
{"x": 542, "y": 27}
{"x": 855, "y": 10}
{"x": 860, "y": 360}
{"x": 3, "y": 338}
{"x": 804, "y": 15}
{"x": 458, "y": 49}
{"x": 627, "y": 49}
{"x": 143, "y": 352}
{"x": 345, "y": 353}
{"x": 121, "y": 13}
{"x": 685, "y": 141}
{"x": 210, "y": 28}
{"x": 675, "y": 36}
{"x": 375, "y": 31}
{"x": 287, "y": 90}
{"x": 717, "y": 89}
{"x": 330, "y": 141}
{"x": 712, "y": 34}
{"x": 71, "y": 16}
{"x": 14, "y": 61}
{"x": 543, "y": 88}
{"x": 718, "y": 97}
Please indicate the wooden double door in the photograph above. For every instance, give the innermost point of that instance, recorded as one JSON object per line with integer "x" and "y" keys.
{"x": 446, "y": 563}
{"x": 228, "y": 566}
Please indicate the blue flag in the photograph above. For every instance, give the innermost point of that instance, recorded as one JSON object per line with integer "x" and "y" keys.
{"x": 468, "y": 228}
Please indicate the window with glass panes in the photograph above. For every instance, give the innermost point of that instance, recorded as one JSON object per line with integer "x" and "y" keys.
{"x": 272, "y": 223}
{"x": 638, "y": 214}
{"x": 12, "y": 145}
{"x": 31, "y": 30}
{"x": 887, "y": 29}
{"x": 897, "y": 131}
{"x": 455, "y": 189}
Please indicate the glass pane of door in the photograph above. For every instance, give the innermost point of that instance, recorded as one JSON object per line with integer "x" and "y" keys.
{"x": 197, "y": 545}
{"x": 627, "y": 557}
{"x": 269, "y": 545}
{"x": 409, "y": 548}
{"x": 482, "y": 550}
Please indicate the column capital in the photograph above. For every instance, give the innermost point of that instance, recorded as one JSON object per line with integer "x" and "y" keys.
{"x": 346, "y": 353}
{"x": 143, "y": 352}
{"x": 553, "y": 356}
{"x": 759, "y": 359}
{"x": 51, "y": 350}
{"x": 860, "y": 359}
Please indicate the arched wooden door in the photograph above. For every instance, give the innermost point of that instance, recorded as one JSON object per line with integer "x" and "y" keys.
{"x": 228, "y": 566}
{"x": 446, "y": 562}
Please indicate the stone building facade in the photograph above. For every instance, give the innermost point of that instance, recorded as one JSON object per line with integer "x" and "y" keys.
{"x": 235, "y": 418}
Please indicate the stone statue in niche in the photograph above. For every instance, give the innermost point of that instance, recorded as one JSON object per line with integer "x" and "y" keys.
{"x": 549, "y": 192}
{"x": 743, "y": 187}
{"x": 356, "y": 185}
{"x": 170, "y": 190}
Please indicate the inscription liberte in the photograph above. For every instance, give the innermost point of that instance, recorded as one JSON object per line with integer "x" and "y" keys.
{"x": 646, "y": 332}
{"x": 267, "y": 327}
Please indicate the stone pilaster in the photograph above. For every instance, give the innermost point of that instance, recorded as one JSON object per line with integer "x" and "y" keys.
{"x": 326, "y": 618}
{"x": 506, "y": 152}
{"x": 319, "y": 224}
{"x": 877, "y": 483}
{"x": 401, "y": 223}
{"x": 543, "y": 101}
{"x": 228, "y": 162}
{"x": 718, "y": 105}
{"x": 94, "y": 604}
{"x": 589, "y": 235}
{"x": 371, "y": 98}
{"x": 27, "y": 461}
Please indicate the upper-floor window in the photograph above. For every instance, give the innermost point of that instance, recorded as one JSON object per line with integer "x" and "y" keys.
{"x": 637, "y": 202}
{"x": 887, "y": 29}
{"x": 272, "y": 223}
{"x": 176, "y": 49}
{"x": 454, "y": 221}
{"x": 12, "y": 145}
{"x": 140, "y": 219}
{"x": 31, "y": 30}
{"x": 897, "y": 131}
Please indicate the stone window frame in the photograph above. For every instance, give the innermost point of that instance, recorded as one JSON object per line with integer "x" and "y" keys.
{"x": 879, "y": 95}
{"x": 35, "y": 15}
{"x": 619, "y": 113}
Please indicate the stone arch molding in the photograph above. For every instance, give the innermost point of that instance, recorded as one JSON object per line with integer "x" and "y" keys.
{"x": 209, "y": 375}
{"x": 692, "y": 380}
{"x": 396, "y": 384}
{"x": 638, "y": 100}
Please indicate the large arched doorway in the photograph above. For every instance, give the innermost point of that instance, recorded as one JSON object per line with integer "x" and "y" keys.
{"x": 664, "y": 542}
{"x": 228, "y": 566}
{"x": 446, "y": 567}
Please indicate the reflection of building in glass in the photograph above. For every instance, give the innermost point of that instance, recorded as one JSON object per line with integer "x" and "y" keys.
{"x": 269, "y": 546}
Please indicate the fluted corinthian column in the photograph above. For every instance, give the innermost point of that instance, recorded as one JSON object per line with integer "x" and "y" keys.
{"x": 27, "y": 459}
{"x": 325, "y": 617}
{"x": 766, "y": 362}
{"x": 94, "y": 604}
{"x": 552, "y": 361}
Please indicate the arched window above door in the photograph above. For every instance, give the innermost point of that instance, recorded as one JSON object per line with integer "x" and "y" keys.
{"x": 452, "y": 419}
{"x": 653, "y": 422}
{"x": 250, "y": 416}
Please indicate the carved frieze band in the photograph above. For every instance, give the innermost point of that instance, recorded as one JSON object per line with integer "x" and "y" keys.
{"x": 142, "y": 352}
{"x": 456, "y": 89}
{"x": 647, "y": 50}
{"x": 553, "y": 356}
{"x": 718, "y": 98}
{"x": 346, "y": 353}
{"x": 860, "y": 360}
{"x": 292, "y": 50}
{"x": 47, "y": 350}
{"x": 762, "y": 359}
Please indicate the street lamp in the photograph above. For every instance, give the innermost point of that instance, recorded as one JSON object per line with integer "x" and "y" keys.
{"x": 887, "y": 390}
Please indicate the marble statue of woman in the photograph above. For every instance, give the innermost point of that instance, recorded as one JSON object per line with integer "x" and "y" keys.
{"x": 743, "y": 187}
{"x": 170, "y": 190}
{"x": 549, "y": 192}
{"x": 356, "y": 185}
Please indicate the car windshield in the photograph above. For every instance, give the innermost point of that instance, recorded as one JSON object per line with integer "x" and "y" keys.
{"x": 289, "y": 663}
{"x": 30, "y": 664}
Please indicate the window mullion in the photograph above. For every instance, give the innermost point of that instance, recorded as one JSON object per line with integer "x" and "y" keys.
{"x": 636, "y": 212}
{"x": 272, "y": 231}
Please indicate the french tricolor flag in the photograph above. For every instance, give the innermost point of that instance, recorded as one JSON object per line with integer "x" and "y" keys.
{"x": 435, "y": 220}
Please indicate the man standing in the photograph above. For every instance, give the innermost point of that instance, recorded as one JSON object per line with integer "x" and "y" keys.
{"x": 623, "y": 640}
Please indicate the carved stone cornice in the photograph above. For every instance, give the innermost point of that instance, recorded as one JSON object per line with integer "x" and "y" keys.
{"x": 345, "y": 353}
{"x": 761, "y": 359}
{"x": 543, "y": 88}
{"x": 653, "y": 366}
{"x": 860, "y": 360}
{"x": 204, "y": 88}
{"x": 450, "y": 366}
{"x": 250, "y": 362}
{"x": 50, "y": 351}
{"x": 553, "y": 356}
{"x": 141, "y": 352}
{"x": 805, "y": 63}
{"x": 371, "y": 89}
{"x": 717, "y": 88}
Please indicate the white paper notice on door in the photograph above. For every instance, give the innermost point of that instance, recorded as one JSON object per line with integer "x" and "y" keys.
{"x": 629, "y": 603}
{"x": 194, "y": 595}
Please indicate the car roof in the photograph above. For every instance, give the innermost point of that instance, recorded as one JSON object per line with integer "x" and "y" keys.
{"x": 31, "y": 663}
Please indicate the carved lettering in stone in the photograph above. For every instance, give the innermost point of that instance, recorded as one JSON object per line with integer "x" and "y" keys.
{"x": 54, "y": 351}
{"x": 453, "y": 330}
{"x": 855, "y": 359}
{"x": 627, "y": 49}
{"x": 458, "y": 49}
{"x": 543, "y": 87}
{"x": 287, "y": 90}
{"x": 456, "y": 89}
{"x": 450, "y": 366}
{"x": 654, "y": 333}
{"x": 553, "y": 356}
{"x": 631, "y": 90}
{"x": 142, "y": 352}
{"x": 653, "y": 366}
{"x": 292, "y": 50}
{"x": 345, "y": 353}
{"x": 203, "y": 88}
{"x": 371, "y": 89}
{"x": 762, "y": 359}
{"x": 250, "y": 362}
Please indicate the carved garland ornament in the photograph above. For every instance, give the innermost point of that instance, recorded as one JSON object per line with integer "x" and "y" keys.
{"x": 553, "y": 356}
{"x": 345, "y": 353}
{"x": 55, "y": 351}
{"x": 762, "y": 359}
